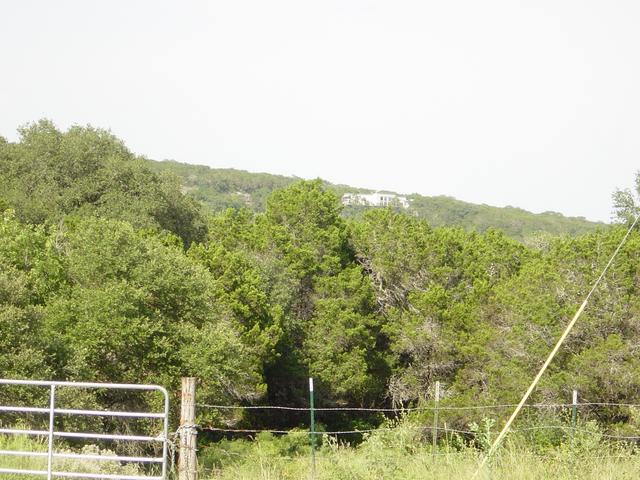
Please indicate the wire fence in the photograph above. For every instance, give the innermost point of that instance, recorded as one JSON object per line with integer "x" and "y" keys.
{"x": 436, "y": 436}
{"x": 427, "y": 428}
{"x": 448, "y": 423}
{"x": 451, "y": 427}
{"x": 587, "y": 411}
{"x": 415, "y": 409}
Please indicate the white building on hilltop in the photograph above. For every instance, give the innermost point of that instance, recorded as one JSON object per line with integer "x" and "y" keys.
{"x": 376, "y": 199}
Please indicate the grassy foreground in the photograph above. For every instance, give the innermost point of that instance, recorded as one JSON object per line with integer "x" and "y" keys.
{"x": 26, "y": 444}
{"x": 401, "y": 454}
{"x": 354, "y": 466}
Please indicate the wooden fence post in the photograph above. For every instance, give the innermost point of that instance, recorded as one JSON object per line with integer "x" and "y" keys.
{"x": 188, "y": 462}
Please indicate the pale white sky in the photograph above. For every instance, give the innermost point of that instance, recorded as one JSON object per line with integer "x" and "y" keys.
{"x": 534, "y": 104}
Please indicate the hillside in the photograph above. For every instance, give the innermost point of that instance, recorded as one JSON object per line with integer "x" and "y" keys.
{"x": 108, "y": 271}
{"x": 220, "y": 188}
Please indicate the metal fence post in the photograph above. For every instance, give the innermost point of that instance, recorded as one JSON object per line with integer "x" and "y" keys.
{"x": 436, "y": 401}
{"x": 52, "y": 409}
{"x": 312, "y": 430}
{"x": 574, "y": 414}
{"x": 187, "y": 462}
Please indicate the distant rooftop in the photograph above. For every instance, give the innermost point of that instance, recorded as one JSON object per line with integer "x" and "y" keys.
{"x": 376, "y": 199}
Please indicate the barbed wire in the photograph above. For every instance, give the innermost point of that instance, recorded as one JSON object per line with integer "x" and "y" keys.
{"x": 340, "y": 432}
{"x": 416, "y": 409}
{"x": 421, "y": 428}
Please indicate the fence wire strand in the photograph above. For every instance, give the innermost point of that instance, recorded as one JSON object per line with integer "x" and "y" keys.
{"x": 425, "y": 428}
{"x": 414, "y": 409}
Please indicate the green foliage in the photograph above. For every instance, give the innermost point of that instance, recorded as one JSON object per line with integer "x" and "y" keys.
{"x": 306, "y": 240}
{"x": 89, "y": 172}
{"x": 220, "y": 189}
{"x": 23, "y": 263}
{"x": 626, "y": 204}
{"x": 67, "y": 464}
{"x": 398, "y": 452}
{"x": 342, "y": 346}
{"x": 95, "y": 284}
{"x": 97, "y": 300}
{"x": 306, "y": 228}
{"x": 483, "y": 436}
{"x": 515, "y": 222}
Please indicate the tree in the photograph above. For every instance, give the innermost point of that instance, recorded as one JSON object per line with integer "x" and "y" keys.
{"x": 625, "y": 202}
{"x": 345, "y": 346}
{"x": 300, "y": 237}
{"x": 86, "y": 172}
{"x": 23, "y": 261}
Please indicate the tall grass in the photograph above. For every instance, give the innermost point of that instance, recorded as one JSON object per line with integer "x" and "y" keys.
{"x": 26, "y": 444}
{"x": 23, "y": 444}
{"x": 399, "y": 455}
{"x": 350, "y": 465}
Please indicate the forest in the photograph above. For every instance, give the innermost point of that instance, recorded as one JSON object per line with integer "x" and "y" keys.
{"x": 110, "y": 272}
{"x": 220, "y": 188}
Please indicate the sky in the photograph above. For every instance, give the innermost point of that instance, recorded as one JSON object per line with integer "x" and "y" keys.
{"x": 532, "y": 104}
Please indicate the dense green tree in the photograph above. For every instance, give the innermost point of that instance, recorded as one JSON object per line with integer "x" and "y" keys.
{"x": 131, "y": 304}
{"x": 96, "y": 300}
{"x": 241, "y": 278}
{"x": 345, "y": 345}
{"x": 95, "y": 284}
{"x": 625, "y": 202}
{"x": 305, "y": 239}
{"x": 23, "y": 264}
{"x": 85, "y": 171}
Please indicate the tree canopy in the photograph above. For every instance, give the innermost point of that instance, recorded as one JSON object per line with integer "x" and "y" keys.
{"x": 108, "y": 272}
{"x": 85, "y": 171}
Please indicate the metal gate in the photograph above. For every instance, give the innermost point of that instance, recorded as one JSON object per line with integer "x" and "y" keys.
{"x": 52, "y": 433}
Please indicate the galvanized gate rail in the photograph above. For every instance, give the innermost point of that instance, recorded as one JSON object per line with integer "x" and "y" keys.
{"x": 51, "y": 433}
